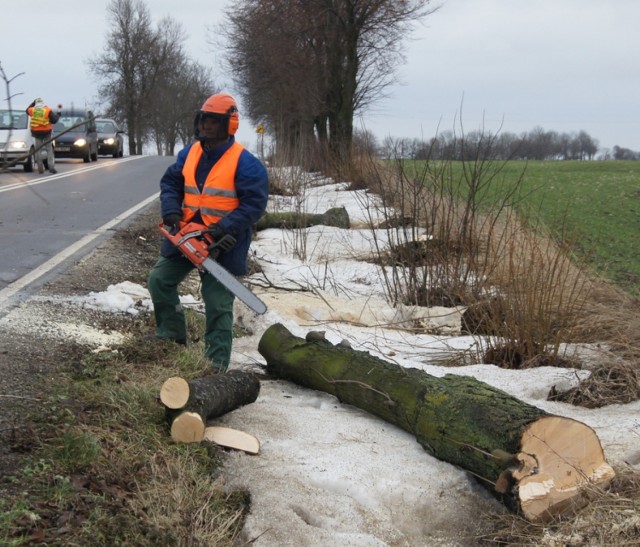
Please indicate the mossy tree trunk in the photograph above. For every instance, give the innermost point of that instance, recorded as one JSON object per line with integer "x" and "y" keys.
{"x": 337, "y": 217}
{"x": 457, "y": 419}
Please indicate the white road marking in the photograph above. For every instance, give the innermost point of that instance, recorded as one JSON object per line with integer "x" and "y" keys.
{"x": 49, "y": 178}
{"x": 19, "y": 284}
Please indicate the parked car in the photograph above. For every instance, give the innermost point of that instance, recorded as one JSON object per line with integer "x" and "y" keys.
{"x": 16, "y": 141}
{"x": 79, "y": 142}
{"x": 110, "y": 138}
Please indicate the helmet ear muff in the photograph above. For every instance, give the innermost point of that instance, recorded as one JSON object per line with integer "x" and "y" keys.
{"x": 234, "y": 120}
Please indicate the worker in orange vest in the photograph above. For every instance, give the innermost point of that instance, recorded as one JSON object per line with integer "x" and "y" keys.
{"x": 41, "y": 125}
{"x": 217, "y": 182}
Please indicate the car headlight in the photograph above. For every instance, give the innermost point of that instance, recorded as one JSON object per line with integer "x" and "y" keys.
{"x": 18, "y": 145}
{"x": 110, "y": 140}
{"x": 80, "y": 142}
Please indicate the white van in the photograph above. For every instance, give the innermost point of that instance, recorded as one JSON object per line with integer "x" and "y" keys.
{"x": 15, "y": 138}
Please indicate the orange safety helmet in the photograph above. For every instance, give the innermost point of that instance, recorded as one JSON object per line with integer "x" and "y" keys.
{"x": 224, "y": 106}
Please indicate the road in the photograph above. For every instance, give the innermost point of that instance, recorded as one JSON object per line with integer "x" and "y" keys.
{"x": 47, "y": 221}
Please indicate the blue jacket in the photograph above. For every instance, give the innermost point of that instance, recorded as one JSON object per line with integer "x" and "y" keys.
{"x": 252, "y": 189}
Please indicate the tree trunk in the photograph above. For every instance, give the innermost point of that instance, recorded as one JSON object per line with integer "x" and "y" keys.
{"x": 189, "y": 405}
{"x": 337, "y": 216}
{"x": 534, "y": 461}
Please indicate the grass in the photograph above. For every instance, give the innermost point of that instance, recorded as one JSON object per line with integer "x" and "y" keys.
{"x": 103, "y": 469}
{"x": 595, "y": 203}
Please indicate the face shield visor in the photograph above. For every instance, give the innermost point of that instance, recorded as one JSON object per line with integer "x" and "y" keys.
{"x": 210, "y": 125}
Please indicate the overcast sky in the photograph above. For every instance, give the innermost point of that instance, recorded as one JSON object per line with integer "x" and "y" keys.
{"x": 563, "y": 65}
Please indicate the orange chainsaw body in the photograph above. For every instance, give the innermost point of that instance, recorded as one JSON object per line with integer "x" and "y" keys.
{"x": 192, "y": 239}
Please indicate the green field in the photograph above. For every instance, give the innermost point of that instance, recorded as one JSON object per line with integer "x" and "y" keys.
{"x": 595, "y": 202}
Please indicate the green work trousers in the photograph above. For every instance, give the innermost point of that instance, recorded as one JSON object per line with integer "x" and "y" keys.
{"x": 163, "y": 282}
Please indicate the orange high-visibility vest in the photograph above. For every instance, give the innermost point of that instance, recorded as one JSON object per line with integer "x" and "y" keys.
{"x": 218, "y": 197}
{"x": 40, "y": 119}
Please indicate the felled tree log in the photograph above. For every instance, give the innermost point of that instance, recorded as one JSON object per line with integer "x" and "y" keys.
{"x": 337, "y": 216}
{"x": 533, "y": 461}
{"x": 189, "y": 405}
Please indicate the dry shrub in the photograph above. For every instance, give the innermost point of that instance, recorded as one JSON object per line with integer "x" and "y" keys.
{"x": 435, "y": 246}
{"x": 543, "y": 293}
{"x": 453, "y": 243}
{"x": 612, "y": 316}
{"x": 369, "y": 173}
{"x": 607, "y": 385}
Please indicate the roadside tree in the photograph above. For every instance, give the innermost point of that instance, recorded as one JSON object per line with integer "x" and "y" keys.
{"x": 145, "y": 74}
{"x": 306, "y": 67}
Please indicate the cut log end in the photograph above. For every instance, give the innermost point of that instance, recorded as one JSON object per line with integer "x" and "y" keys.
{"x": 188, "y": 428}
{"x": 560, "y": 459}
{"x": 232, "y": 438}
{"x": 174, "y": 392}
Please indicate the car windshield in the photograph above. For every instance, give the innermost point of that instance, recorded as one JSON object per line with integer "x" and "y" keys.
{"x": 106, "y": 126}
{"x": 65, "y": 122}
{"x": 13, "y": 119}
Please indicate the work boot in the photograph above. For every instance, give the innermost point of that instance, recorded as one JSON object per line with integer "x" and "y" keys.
{"x": 155, "y": 338}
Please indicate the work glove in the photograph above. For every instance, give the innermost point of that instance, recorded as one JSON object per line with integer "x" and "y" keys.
{"x": 216, "y": 232}
{"x": 172, "y": 220}
{"x": 221, "y": 242}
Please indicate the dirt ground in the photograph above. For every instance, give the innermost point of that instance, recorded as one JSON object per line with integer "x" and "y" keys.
{"x": 32, "y": 351}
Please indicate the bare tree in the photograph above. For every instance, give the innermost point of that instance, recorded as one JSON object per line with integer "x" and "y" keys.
{"x": 588, "y": 145}
{"x": 274, "y": 64}
{"x": 307, "y": 66}
{"x": 124, "y": 64}
{"x": 145, "y": 73}
{"x": 181, "y": 88}
{"x": 190, "y": 88}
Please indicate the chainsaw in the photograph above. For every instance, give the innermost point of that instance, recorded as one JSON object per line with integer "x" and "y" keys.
{"x": 195, "y": 242}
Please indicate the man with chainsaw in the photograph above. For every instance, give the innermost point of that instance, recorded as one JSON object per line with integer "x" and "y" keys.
{"x": 216, "y": 182}
{"x": 41, "y": 123}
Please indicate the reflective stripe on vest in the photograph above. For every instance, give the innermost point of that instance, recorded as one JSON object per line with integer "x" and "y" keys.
{"x": 40, "y": 119}
{"x": 218, "y": 197}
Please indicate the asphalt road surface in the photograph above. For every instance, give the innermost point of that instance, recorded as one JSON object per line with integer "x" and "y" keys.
{"x": 48, "y": 220}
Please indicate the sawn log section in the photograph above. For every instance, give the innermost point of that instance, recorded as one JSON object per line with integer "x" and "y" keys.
{"x": 189, "y": 405}
{"x": 540, "y": 463}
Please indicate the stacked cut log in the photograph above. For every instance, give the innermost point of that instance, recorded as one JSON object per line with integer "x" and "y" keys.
{"x": 539, "y": 463}
{"x": 190, "y": 404}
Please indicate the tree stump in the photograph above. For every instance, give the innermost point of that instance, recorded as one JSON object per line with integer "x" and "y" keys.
{"x": 529, "y": 459}
{"x": 190, "y": 404}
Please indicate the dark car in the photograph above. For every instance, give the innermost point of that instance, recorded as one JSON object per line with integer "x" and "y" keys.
{"x": 79, "y": 142}
{"x": 110, "y": 138}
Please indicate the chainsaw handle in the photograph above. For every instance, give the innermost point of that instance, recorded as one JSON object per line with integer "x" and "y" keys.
{"x": 221, "y": 245}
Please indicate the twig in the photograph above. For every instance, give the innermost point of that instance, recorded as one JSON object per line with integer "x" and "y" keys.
{"x": 20, "y": 397}
{"x": 389, "y": 402}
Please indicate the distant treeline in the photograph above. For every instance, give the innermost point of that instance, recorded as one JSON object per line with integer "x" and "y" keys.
{"x": 536, "y": 144}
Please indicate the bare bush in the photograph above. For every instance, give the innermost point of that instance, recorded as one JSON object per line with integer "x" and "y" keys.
{"x": 452, "y": 239}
